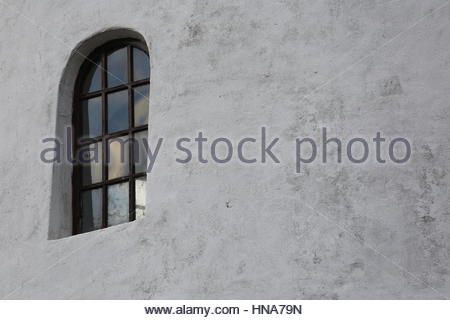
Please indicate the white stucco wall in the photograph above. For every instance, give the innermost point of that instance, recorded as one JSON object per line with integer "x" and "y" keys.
{"x": 242, "y": 230}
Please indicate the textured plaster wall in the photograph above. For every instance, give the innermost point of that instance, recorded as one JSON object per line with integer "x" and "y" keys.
{"x": 335, "y": 231}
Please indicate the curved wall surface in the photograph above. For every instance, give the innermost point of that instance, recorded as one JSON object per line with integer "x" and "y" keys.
{"x": 239, "y": 230}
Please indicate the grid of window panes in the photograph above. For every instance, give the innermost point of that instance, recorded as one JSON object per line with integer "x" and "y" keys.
{"x": 111, "y": 138}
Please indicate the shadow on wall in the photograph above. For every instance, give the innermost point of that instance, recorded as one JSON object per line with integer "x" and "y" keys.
{"x": 60, "y": 219}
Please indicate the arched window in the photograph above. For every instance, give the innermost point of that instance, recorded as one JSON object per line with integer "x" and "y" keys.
{"x": 110, "y": 121}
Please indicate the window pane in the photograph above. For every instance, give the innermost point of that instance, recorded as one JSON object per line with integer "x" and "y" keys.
{"x": 118, "y": 155}
{"x": 91, "y": 163}
{"x": 117, "y": 111}
{"x": 92, "y": 82}
{"x": 141, "y": 65}
{"x": 91, "y": 117}
{"x": 140, "y": 197}
{"x": 117, "y": 67}
{"x": 118, "y": 210}
{"x": 140, "y": 151}
{"x": 141, "y": 105}
{"x": 91, "y": 210}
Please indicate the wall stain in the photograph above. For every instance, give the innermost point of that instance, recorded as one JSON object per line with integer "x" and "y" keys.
{"x": 194, "y": 35}
{"x": 391, "y": 86}
{"x": 241, "y": 267}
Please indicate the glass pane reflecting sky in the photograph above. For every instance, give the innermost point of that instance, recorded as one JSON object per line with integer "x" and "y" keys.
{"x": 118, "y": 210}
{"x": 117, "y": 68}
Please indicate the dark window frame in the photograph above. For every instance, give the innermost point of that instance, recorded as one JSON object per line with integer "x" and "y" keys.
{"x": 77, "y": 186}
